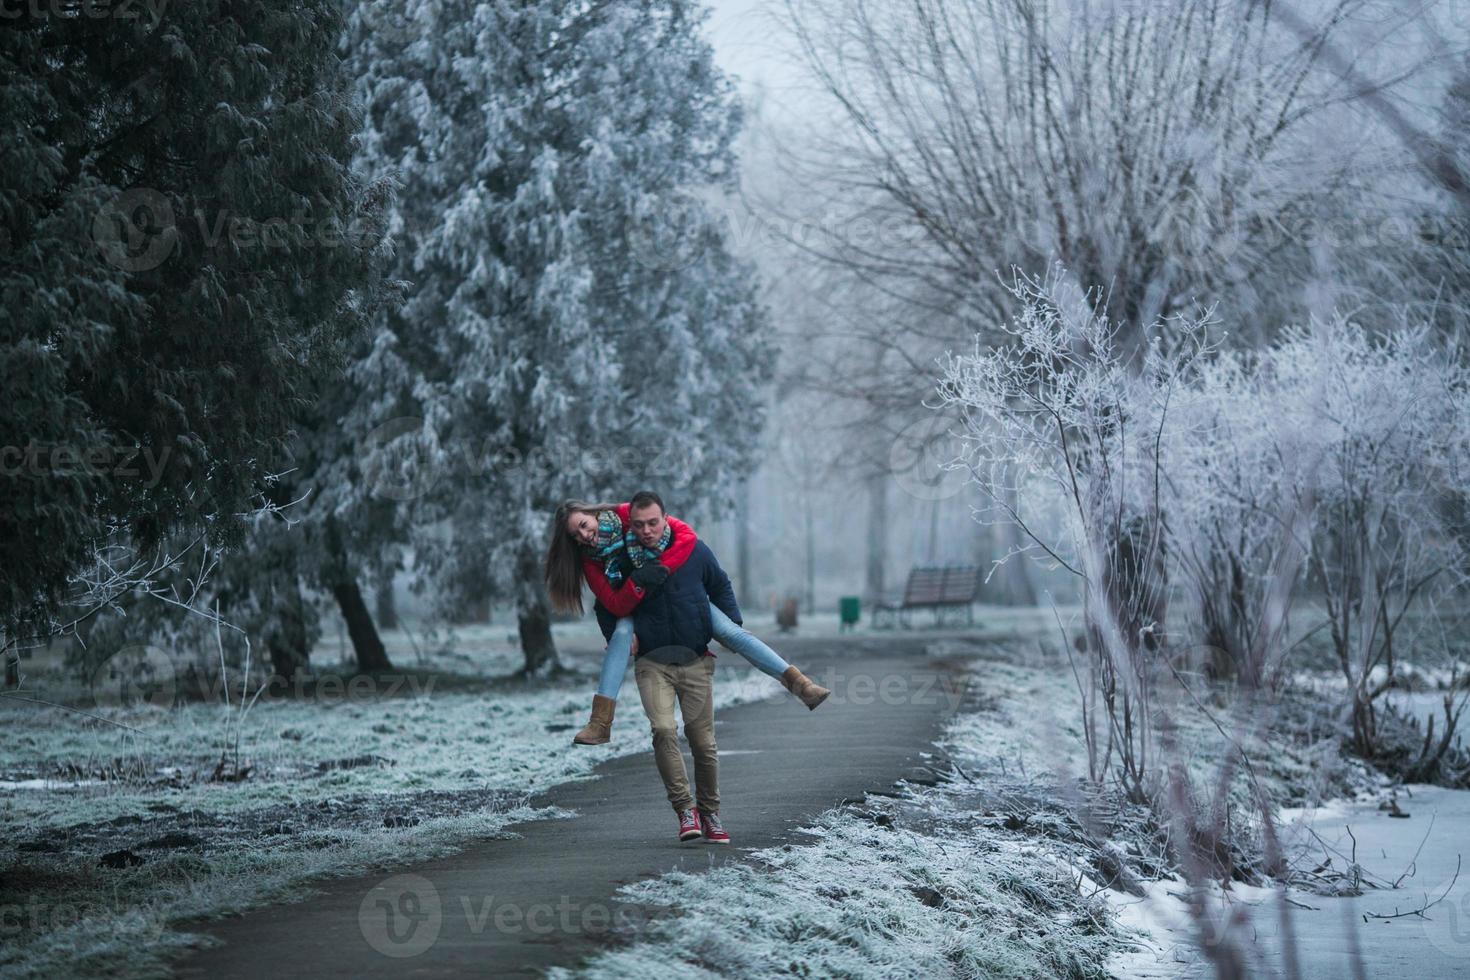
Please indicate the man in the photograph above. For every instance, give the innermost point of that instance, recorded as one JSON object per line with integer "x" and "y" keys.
{"x": 672, "y": 661}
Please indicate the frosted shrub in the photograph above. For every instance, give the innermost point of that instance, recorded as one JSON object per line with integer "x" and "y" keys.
{"x": 1225, "y": 475}
{"x": 1384, "y": 417}
{"x": 1071, "y": 427}
{"x": 1239, "y": 490}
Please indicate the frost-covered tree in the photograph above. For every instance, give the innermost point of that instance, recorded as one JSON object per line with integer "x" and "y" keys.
{"x": 576, "y": 325}
{"x": 1154, "y": 149}
{"x": 1147, "y": 147}
{"x": 1335, "y": 458}
{"x": 182, "y": 269}
{"x": 1060, "y": 422}
{"x": 1384, "y": 415}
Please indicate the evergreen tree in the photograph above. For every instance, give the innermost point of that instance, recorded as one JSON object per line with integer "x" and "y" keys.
{"x": 577, "y": 325}
{"x": 186, "y": 255}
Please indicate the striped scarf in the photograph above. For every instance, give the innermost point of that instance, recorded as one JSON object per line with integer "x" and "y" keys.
{"x": 619, "y": 549}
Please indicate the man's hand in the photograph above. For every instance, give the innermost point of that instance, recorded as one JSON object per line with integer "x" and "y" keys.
{"x": 633, "y": 648}
{"x": 649, "y": 576}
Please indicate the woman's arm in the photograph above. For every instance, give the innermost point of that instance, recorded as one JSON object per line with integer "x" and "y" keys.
{"x": 623, "y": 600}
{"x": 681, "y": 545}
{"x": 620, "y": 602}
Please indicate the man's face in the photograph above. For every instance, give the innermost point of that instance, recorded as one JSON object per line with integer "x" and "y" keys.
{"x": 648, "y": 524}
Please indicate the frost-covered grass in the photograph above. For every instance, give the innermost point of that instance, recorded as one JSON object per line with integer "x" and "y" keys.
{"x": 411, "y": 767}
{"x": 869, "y": 897}
{"x": 64, "y": 916}
{"x": 933, "y": 883}
{"x": 1006, "y": 866}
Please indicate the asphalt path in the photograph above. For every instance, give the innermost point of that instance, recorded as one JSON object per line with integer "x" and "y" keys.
{"x": 514, "y": 907}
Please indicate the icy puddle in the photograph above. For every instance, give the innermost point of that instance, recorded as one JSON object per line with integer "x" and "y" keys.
{"x": 1436, "y": 944}
{"x": 1332, "y": 932}
{"x": 47, "y": 784}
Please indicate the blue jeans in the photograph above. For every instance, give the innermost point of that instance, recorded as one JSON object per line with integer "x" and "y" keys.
{"x": 726, "y": 630}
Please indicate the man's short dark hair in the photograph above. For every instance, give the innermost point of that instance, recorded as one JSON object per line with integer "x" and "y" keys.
{"x": 644, "y": 498}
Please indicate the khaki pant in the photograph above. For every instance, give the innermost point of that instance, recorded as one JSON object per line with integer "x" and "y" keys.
{"x": 693, "y": 686}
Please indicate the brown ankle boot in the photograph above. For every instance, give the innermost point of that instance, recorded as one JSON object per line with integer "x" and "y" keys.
{"x": 599, "y": 729}
{"x": 810, "y": 692}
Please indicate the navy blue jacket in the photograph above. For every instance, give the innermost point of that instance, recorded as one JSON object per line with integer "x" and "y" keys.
{"x": 677, "y": 614}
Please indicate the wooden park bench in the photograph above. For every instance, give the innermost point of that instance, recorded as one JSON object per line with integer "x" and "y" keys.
{"x": 940, "y": 589}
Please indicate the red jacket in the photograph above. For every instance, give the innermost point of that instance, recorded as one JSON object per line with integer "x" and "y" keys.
{"x": 621, "y": 602}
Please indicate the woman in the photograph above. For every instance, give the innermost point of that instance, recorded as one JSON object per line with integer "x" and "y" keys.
{"x": 591, "y": 542}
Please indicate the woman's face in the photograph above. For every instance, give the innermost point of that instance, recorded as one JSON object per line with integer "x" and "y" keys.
{"x": 582, "y": 527}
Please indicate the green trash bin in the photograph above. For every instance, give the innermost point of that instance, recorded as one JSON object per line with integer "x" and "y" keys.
{"x": 849, "y": 609}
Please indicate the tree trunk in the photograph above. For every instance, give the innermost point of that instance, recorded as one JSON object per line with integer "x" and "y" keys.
{"x": 533, "y": 616}
{"x": 742, "y": 540}
{"x": 366, "y": 643}
{"x": 1011, "y": 584}
{"x": 877, "y": 542}
{"x": 286, "y": 645}
{"x": 479, "y": 610}
{"x": 342, "y": 580}
{"x": 811, "y": 556}
{"x": 932, "y": 557}
{"x": 387, "y": 607}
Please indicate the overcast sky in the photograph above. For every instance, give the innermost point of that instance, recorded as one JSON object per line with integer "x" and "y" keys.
{"x": 751, "y": 45}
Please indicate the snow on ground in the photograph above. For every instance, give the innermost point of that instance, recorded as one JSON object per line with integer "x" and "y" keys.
{"x": 866, "y": 899}
{"x": 930, "y": 884}
{"x": 338, "y": 784}
{"x": 350, "y": 783}
{"x": 1166, "y": 939}
{"x": 1421, "y": 852}
{"x": 926, "y": 885}
{"x": 1326, "y": 934}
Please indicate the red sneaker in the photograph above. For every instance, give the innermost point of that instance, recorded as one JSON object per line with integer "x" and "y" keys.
{"x": 688, "y": 824}
{"x": 714, "y": 831}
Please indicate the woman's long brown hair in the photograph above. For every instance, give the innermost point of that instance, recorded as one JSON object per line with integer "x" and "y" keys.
{"x": 564, "y": 556}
